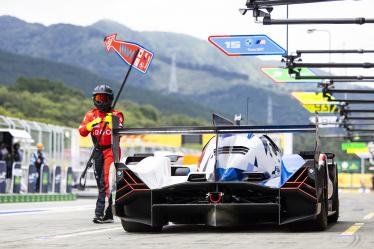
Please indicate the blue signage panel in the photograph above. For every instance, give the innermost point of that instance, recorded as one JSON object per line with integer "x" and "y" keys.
{"x": 2, "y": 177}
{"x": 57, "y": 179}
{"x": 17, "y": 176}
{"x": 246, "y": 45}
{"x": 69, "y": 180}
{"x": 44, "y": 179}
{"x": 32, "y": 179}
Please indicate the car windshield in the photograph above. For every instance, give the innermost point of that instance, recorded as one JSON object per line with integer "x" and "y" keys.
{"x": 239, "y": 154}
{"x": 239, "y": 151}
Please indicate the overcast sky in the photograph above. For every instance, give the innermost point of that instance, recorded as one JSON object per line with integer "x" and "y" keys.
{"x": 201, "y": 18}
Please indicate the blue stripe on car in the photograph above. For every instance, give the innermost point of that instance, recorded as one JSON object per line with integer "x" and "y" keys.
{"x": 229, "y": 174}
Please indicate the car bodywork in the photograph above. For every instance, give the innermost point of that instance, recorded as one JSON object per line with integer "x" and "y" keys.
{"x": 242, "y": 179}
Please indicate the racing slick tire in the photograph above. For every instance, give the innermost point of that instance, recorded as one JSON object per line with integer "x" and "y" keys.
{"x": 320, "y": 223}
{"x": 135, "y": 227}
{"x": 335, "y": 200}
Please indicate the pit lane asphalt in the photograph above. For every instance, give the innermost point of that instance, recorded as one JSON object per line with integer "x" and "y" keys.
{"x": 68, "y": 225}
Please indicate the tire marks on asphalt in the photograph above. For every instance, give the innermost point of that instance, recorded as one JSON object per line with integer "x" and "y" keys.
{"x": 355, "y": 227}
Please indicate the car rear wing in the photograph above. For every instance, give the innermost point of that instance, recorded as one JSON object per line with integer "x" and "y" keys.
{"x": 118, "y": 131}
{"x": 271, "y": 3}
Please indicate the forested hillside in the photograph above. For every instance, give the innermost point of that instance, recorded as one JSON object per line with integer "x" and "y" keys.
{"x": 13, "y": 66}
{"x": 206, "y": 77}
{"x": 55, "y": 103}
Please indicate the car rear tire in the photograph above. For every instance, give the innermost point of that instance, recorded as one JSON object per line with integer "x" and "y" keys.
{"x": 320, "y": 223}
{"x": 335, "y": 200}
{"x": 136, "y": 227}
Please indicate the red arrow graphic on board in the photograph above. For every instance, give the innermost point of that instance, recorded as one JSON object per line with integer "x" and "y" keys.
{"x": 126, "y": 50}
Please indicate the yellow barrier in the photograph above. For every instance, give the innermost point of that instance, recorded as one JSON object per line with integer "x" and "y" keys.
{"x": 355, "y": 180}
{"x": 190, "y": 159}
{"x": 160, "y": 140}
{"x": 85, "y": 142}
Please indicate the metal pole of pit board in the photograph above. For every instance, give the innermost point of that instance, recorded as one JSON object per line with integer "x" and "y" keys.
{"x": 247, "y": 111}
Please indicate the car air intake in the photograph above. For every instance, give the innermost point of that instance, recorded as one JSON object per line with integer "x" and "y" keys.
{"x": 255, "y": 176}
{"x": 232, "y": 150}
{"x": 137, "y": 158}
{"x": 197, "y": 177}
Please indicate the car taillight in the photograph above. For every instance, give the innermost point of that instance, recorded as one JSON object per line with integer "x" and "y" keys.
{"x": 322, "y": 159}
{"x": 215, "y": 197}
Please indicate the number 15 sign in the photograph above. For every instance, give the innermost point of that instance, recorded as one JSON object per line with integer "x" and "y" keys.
{"x": 246, "y": 45}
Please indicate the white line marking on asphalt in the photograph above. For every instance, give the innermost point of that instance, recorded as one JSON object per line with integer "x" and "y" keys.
{"x": 13, "y": 212}
{"x": 68, "y": 235}
{"x": 352, "y": 229}
{"x": 369, "y": 216}
{"x": 38, "y": 211}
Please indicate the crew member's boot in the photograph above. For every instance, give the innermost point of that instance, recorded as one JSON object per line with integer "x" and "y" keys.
{"x": 108, "y": 217}
{"x": 98, "y": 220}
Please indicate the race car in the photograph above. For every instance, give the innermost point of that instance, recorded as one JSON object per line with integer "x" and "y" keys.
{"x": 242, "y": 179}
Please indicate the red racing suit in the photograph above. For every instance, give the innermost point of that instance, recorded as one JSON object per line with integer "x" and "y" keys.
{"x": 106, "y": 139}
